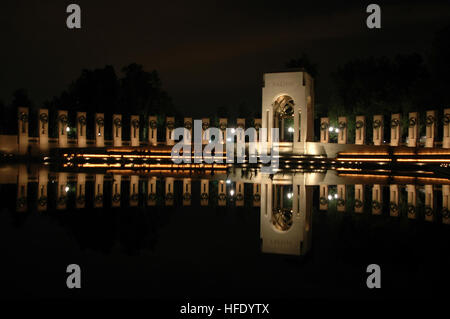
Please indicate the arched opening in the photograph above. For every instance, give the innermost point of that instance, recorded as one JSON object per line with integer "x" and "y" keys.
{"x": 284, "y": 118}
{"x": 282, "y": 213}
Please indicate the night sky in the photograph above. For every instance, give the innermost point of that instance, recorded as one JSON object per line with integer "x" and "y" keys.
{"x": 208, "y": 54}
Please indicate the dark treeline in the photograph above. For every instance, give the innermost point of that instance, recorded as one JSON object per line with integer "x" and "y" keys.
{"x": 366, "y": 86}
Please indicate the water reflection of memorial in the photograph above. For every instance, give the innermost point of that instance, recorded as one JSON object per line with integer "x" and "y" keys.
{"x": 286, "y": 200}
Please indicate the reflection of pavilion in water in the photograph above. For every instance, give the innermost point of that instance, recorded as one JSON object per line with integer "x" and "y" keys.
{"x": 286, "y": 201}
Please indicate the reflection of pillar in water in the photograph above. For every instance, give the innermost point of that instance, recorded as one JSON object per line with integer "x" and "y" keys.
{"x": 42, "y": 189}
{"x": 394, "y": 200}
{"x": 151, "y": 192}
{"x": 324, "y": 132}
{"x": 81, "y": 191}
{"x": 222, "y": 193}
{"x": 323, "y": 200}
{"x": 341, "y": 199}
{"x": 187, "y": 193}
{"x": 169, "y": 193}
{"x": 22, "y": 184}
{"x": 446, "y": 204}
{"x": 360, "y": 130}
{"x": 395, "y": 129}
{"x": 412, "y": 195}
{"x": 62, "y": 191}
{"x": 134, "y": 190}
{"x": 239, "y": 194}
{"x": 377, "y": 199}
{"x": 359, "y": 198}
{"x": 378, "y": 131}
{"x": 98, "y": 191}
{"x": 204, "y": 192}
{"x": 429, "y": 203}
{"x": 286, "y": 228}
{"x": 256, "y": 194}
{"x": 116, "y": 190}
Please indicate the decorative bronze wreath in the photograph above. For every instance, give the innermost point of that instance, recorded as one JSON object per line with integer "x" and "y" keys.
{"x": 324, "y": 126}
{"x": 204, "y": 196}
{"x": 118, "y": 122}
{"x": 359, "y": 124}
{"x": 98, "y": 198}
{"x": 323, "y": 200}
{"x": 21, "y": 201}
{"x": 43, "y": 117}
{"x": 445, "y": 212}
{"x": 82, "y": 120}
{"x": 169, "y": 196}
{"x": 358, "y": 203}
{"x": 152, "y": 197}
{"x": 23, "y": 117}
{"x": 376, "y": 205}
{"x": 134, "y": 197}
{"x": 63, "y": 119}
{"x": 135, "y": 123}
{"x": 412, "y": 122}
{"x": 153, "y": 124}
{"x": 62, "y": 199}
{"x": 282, "y": 218}
{"x": 342, "y": 125}
{"x": 446, "y": 119}
{"x": 395, "y": 123}
{"x": 116, "y": 197}
{"x": 393, "y": 206}
{"x": 430, "y": 120}
{"x": 241, "y": 125}
{"x": 376, "y": 124}
{"x": 42, "y": 201}
{"x": 80, "y": 200}
{"x": 187, "y": 196}
{"x": 100, "y": 121}
{"x": 187, "y": 125}
{"x": 428, "y": 210}
{"x": 222, "y": 196}
{"x": 257, "y": 126}
{"x": 239, "y": 197}
{"x": 170, "y": 125}
{"x": 223, "y": 126}
{"x": 205, "y": 126}
{"x": 411, "y": 209}
{"x": 340, "y": 202}
{"x": 256, "y": 197}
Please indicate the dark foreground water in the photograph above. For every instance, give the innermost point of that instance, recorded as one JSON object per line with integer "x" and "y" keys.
{"x": 212, "y": 252}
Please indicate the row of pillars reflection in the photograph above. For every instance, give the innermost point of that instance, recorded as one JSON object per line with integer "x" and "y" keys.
{"x": 394, "y": 200}
{"x": 117, "y": 125}
{"x": 227, "y": 191}
{"x": 378, "y": 125}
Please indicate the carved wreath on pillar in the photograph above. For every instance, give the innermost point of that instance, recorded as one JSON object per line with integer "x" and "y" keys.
{"x": 43, "y": 117}
{"x": 153, "y": 124}
{"x": 445, "y": 212}
{"x": 358, "y": 203}
{"x": 430, "y": 120}
{"x": 169, "y": 196}
{"x": 412, "y": 121}
{"x": 376, "y": 124}
{"x": 446, "y": 119}
{"x": 342, "y": 125}
{"x": 324, "y": 126}
{"x": 359, "y": 124}
{"x": 188, "y": 125}
{"x": 118, "y": 122}
{"x": 376, "y": 205}
{"x": 152, "y": 197}
{"x": 241, "y": 125}
{"x": 393, "y": 206}
{"x": 135, "y": 123}
{"x": 223, "y": 126}
{"x": 395, "y": 123}
{"x": 100, "y": 122}
{"x": 187, "y": 196}
{"x": 428, "y": 210}
{"x": 204, "y": 196}
{"x": 256, "y": 197}
{"x": 170, "y": 125}
{"x": 411, "y": 209}
{"x": 222, "y": 196}
{"x": 257, "y": 126}
{"x": 205, "y": 126}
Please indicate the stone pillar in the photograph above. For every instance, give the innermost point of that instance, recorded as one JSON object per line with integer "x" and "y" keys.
{"x": 446, "y": 129}
{"x": 359, "y": 198}
{"x": 134, "y": 190}
{"x": 323, "y": 200}
{"x": 62, "y": 190}
{"x": 342, "y": 125}
{"x": 22, "y": 192}
{"x": 222, "y": 193}
{"x": 324, "y": 132}
{"x": 446, "y": 204}
{"x": 412, "y": 202}
{"x": 99, "y": 129}
{"x": 80, "y": 201}
{"x": 377, "y": 199}
{"x": 134, "y": 130}
{"x": 378, "y": 130}
{"x": 152, "y": 131}
{"x": 116, "y": 189}
{"x": 42, "y": 195}
{"x": 205, "y": 131}
{"x": 187, "y": 191}
{"x": 360, "y": 130}
{"x": 239, "y": 194}
{"x": 23, "y": 118}
{"x": 223, "y": 129}
{"x": 169, "y": 192}
{"x": 81, "y": 129}
{"x": 204, "y": 192}
{"x": 170, "y": 126}
{"x": 258, "y": 125}
{"x": 98, "y": 192}
{"x": 43, "y": 131}
{"x": 240, "y": 130}
{"x": 393, "y": 204}
{"x": 151, "y": 192}
{"x": 117, "y": 130}
{"x": 429, "y": 203}
{"x": 430, "y": 128}
{"x": 63, "y": 122}
{"x": 413, "y": 130}
{"x": 395, "y": 129}
{"x": 256, "y": 195}
{"x": 341, "y": 196}
{"x": 188, "y": 127}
